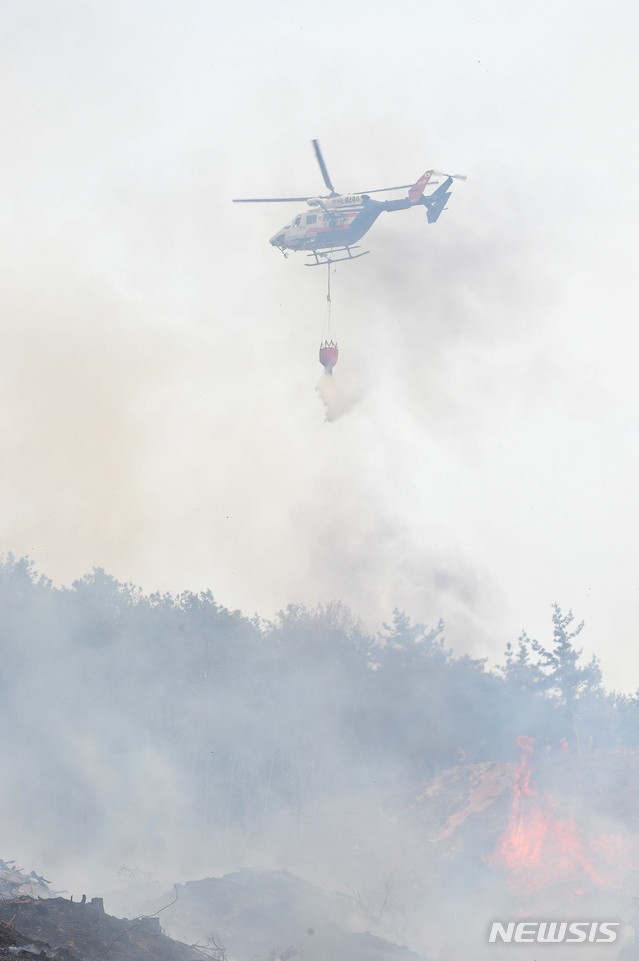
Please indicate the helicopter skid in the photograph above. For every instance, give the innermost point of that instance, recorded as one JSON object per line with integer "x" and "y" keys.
{"x": 327, "y": 256}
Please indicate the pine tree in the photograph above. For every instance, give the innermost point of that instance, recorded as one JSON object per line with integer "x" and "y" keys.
{"x": 564, "y": 678}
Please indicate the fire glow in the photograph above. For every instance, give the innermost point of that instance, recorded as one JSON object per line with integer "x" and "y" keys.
{"x": 541, "y": 849}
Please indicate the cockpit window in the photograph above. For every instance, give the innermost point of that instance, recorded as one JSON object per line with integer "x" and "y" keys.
{"x": 297, "y": 221}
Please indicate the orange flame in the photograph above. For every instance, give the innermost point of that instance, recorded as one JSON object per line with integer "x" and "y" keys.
{"x": 538, "y": 848}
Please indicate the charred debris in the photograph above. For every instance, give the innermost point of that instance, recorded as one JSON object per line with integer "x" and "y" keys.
{"x": 236, "y": 916}
{"x": 59, "y": 929}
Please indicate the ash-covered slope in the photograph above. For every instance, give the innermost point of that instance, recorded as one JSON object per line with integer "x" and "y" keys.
{"x": 254, "y": 915}
{"x": 72, "y": 930}
{"x": 16, "y": 947}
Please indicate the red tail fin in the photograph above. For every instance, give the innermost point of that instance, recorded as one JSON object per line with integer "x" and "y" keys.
{"x": 417, "y": 189}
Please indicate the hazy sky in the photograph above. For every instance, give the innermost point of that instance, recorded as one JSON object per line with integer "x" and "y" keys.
{"x": 158, "y": 410}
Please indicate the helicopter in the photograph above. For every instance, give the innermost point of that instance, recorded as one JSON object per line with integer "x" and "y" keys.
{"x": 329, "y": 232}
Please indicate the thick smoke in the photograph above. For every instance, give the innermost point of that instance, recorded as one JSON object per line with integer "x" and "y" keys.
{"x": 158, "y": 421}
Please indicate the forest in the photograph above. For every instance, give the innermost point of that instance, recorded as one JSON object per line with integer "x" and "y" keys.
{"x": 134, "y": 715}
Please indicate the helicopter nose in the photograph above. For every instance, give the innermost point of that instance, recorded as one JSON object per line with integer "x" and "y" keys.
{"x": 278, "y": 239}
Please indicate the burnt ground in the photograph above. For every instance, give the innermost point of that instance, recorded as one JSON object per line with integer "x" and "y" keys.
{"x": 65, "y": 930}
{"x": 446, "y": 848}
{"x": 275, "y": 915}
{"x": 15, "y": 945}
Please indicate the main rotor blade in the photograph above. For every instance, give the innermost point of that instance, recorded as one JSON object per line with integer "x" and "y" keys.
{"x": 382, "y": 190}
{"x": 270, "y": 200}
{"x": 322, "y": 165}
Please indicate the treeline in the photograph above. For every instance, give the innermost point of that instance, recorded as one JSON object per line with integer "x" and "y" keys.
{"x": 117, "y": 703}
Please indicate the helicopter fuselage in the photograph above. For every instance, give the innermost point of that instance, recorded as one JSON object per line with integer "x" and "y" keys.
{"x": 333, "y": 223}
{"x": 340, "y": 222}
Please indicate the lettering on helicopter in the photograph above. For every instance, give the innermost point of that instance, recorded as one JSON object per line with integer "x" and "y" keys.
{"x": 348, "y": 200}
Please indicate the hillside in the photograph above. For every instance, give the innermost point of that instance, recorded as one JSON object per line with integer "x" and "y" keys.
{"x": 69, "y": 931}
{"x": 259, "y": 914}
